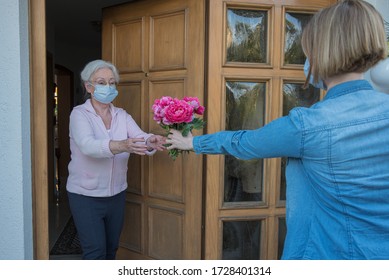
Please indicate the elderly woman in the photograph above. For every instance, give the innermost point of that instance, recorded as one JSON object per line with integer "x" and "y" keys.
{"x": 102, "y": 137}
{"x": 338, "y": 150}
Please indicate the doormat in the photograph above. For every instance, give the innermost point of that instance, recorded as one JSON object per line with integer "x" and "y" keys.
{"x": 68, "y": 242}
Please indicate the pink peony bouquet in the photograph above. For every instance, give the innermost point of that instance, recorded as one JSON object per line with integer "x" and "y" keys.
{"x": 178, "y": 114}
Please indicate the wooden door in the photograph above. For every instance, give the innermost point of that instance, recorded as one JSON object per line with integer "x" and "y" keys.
{"x": 254, "y": 76}
{"x": 158, "y": 47}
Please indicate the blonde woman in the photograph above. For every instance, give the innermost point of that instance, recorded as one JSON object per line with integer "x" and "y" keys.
{"x": 338, "y": 150}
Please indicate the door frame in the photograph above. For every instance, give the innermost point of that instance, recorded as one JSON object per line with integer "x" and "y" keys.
{"x": 38, "y": 119}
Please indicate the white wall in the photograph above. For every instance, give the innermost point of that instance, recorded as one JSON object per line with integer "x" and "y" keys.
{"x": 380, "y": 84}
{"x": 382, "y": 6}
{"x": 16, "y": 238}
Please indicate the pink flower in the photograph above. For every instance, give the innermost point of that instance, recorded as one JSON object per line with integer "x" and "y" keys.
{"x": 178, "y": 114}
{"x": 178, "y": 111}
{"x": 159, "y": 107}
{"x": 200, "y": 110}
{"x": 195, "y": 103}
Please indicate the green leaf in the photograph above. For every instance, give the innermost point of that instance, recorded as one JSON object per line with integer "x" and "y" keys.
{"x": 185, "y": 128}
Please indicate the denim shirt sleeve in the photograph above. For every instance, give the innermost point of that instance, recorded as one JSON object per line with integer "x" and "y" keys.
{"x": 282, "y": 137}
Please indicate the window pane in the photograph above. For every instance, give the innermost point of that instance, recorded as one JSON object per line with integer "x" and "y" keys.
{"x": 246, "y": 36}
{"x": 281, "y": 236}
{"x": 294, "y": 24}
{"x": 295, "y": 96}
{"x": 283, "y": 179}
{"x": 245, "y": 109}
{"x": 241, "y": 240}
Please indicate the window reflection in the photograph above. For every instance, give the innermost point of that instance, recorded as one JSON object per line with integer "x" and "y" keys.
{"x": 246, "y": 36}
{"x": 294, "y": 24}
{"x": 295, "y": 96}
{"x": 245, "y": 109}
{"x": 283, "y": 179}
{"x": 281, "y": 235}
{"x": 241, "y": 240}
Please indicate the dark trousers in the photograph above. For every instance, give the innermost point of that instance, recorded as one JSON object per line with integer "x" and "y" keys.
{"x": 99, "y": 222}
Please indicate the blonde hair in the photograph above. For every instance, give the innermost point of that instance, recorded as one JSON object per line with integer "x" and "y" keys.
{"x": 348, "y": 36}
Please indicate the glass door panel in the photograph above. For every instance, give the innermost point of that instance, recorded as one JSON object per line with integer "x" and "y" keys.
{"x": 281, "y": 236}
{"x": 295, "y": 96}
{"x": 294, "y": 24}
{"x": 246, "y": 35}
{"x": 245, "y": 109}
{"x": 241, "y": 240}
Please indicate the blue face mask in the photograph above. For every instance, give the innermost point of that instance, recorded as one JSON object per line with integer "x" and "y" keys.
{"x": 320, "y": 84}
{"x": 105, "y": 93}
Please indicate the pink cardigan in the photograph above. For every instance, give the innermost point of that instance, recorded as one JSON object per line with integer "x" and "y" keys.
{"x": 93, "y": 169}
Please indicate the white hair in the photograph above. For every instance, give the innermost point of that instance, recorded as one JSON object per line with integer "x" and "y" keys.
{"x": 96, "y": 65}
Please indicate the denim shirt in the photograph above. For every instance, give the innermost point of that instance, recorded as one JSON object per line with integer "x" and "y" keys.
{"x": 337, "y": 174}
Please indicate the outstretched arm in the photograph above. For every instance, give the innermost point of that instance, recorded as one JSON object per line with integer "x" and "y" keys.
{"x": 276, "y": 139}
{"x": 130, "y": 145}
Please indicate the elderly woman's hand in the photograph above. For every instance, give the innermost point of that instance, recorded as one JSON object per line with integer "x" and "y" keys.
{"x": 130, "y": 145}
{"x": 156, "y": 142}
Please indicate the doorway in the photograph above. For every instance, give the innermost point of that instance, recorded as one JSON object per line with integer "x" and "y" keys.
{"x": 53, "y": 28}
{"x": 60, "y": 104}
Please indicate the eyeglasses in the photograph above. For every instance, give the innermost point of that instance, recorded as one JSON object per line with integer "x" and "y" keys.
{"x": 103, "y": 82}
